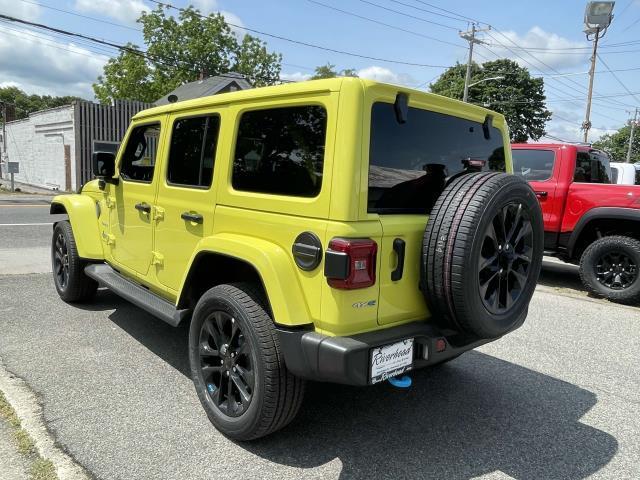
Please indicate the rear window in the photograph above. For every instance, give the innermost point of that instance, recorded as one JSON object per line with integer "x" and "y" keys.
{"x": 592, "y": 167}
{"x": 615, "y": 173}
{"x": 281, "y": 151}
{"x": 533, "y": 165}
{"x": 410, "y": 163}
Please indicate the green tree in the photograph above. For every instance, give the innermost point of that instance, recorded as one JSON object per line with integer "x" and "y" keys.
{"x": 179, "y": 51}
{"x": 329, "y": 71}
{"x": 24, "y": 104}
{"x": 616, "y": 144}
{"x": 517, "y": 95}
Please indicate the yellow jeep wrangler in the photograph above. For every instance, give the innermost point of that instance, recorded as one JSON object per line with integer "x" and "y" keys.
{"x": 336, "y": 230}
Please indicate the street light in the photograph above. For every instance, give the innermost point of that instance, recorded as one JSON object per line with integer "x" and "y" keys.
{"x": 597, "y": 18}
{"x": 485, "y": 80}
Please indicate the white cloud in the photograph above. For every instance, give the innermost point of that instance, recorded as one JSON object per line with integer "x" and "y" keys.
{"x": 126, "y": 11}
{"x": 25, "y": 11}
{"x": 38, "y": 66}
{"x": 382, "y": 74}
{"x": 295, "y": 77}
{"x": 205, "y": 6}
{"x": 537, "y": 38}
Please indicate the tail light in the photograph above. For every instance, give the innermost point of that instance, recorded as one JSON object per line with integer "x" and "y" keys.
{"x": 351, "y": 263}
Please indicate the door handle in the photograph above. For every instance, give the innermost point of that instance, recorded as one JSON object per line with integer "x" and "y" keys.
{"x": 541, "y": 194}
{"x": 192, "y": 217}
{"x": 143, "y": 207}
{"x": 398, "y": 247}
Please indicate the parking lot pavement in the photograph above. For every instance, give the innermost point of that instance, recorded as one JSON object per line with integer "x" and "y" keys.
{"x": 559, "y": 398}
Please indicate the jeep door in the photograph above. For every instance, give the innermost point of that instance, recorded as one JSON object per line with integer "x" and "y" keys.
{"x": 131, "y": 200}
{"x": 186, "y": 200}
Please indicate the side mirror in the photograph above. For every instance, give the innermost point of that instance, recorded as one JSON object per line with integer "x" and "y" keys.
{"x": 104, "y": 165}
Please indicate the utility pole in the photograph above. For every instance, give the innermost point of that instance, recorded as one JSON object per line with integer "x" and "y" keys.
{"x": 586, "y": 125}
{"x": 3, "y": 155}
{"x": 633, "y": 126}
{"x": 470, "y": 37}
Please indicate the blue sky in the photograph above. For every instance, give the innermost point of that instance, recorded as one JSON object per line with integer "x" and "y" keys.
{"x": 548, "y": 35}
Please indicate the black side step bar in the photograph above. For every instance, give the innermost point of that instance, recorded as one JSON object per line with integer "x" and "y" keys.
{"x": 140, "y": 296}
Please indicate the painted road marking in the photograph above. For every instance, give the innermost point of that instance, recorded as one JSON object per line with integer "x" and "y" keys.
{"x": 24, "y": 205}
{"x": 23, "y": 224}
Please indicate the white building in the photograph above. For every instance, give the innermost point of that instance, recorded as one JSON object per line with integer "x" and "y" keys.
{"x": 44, "y": 146}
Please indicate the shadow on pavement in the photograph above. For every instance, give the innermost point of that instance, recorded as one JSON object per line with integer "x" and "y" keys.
{"x": 560, "y": 276}
{"x": 475, "y": 415}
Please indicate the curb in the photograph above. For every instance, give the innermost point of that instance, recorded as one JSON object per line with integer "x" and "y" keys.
{"x": 29, "y": 411}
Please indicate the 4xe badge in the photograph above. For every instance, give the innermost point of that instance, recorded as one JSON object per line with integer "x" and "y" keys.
{"x": 370, "y": 303}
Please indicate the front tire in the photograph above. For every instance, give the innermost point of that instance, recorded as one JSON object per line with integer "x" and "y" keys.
{"x": 68, "y": 268}
{"x": 609, "y": 269}
{"x": 237, "y": 366}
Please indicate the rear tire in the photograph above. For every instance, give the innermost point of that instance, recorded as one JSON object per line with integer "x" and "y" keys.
{"x": 482, "y": 254}
{"x": 609, "y": 269}
{"x": 237, "y": 366}
{"x": 68, "y": 268}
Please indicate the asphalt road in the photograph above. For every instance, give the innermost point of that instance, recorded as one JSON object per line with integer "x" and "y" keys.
{"x": 557, "y": 399}
{"x": 25, "y": 226}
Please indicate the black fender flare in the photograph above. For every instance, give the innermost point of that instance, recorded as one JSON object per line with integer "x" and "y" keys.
{"x": 608, "y": 213}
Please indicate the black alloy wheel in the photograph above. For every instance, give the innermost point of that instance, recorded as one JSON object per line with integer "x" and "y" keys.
{"x": 505, "y": 259}
{"x": 226, "y": 364}
{"x": 61, "y": 261}
{"x": 616, "y": 270}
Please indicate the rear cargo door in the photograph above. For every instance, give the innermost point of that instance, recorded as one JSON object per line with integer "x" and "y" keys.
{"x": 399, "y": 277}
{"x": 409, "y": 165}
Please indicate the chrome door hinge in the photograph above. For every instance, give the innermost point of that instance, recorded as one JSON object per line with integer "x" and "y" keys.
{"x": 157, "y": 258}
{"x": 111, "y": 202}
{"x": 158, "y": 213}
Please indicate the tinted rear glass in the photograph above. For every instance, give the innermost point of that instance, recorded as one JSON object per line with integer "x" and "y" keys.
{"x": 410, "y": 163}
{"x": 533, "y": 165}
{"x": 281, "y": 151}
{"x": 592, "y": 167}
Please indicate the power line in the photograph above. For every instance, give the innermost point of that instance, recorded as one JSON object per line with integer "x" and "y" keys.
{"x": 462, "y": 17}
{"x": 543, "y": 63}
{"x": 306, "y": 44}
{"x": 82, "y": 16}
{"x": 617, "y": 78}
{"x": 123, "y": 48}
{"x": 345, "y": 12}
{"x": 408, "y": 15}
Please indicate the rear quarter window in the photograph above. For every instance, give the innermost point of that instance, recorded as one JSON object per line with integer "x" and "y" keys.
{"x": 592, "y": 167}
{"x": 280, "y": 151}
{"x": 533, "y": 165}
{"x": 411, "y": 163}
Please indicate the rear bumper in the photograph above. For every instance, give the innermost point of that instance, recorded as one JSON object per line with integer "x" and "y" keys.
{"x": 346, "y": 360}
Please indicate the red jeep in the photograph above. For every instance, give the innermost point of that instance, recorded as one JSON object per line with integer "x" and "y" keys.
{"x": 587, "y": 220}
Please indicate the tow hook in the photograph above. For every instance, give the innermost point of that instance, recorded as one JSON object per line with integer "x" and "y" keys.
{"x": 400, "y": 382}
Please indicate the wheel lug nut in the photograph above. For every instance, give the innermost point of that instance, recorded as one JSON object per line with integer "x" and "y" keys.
{"x": 221, "y": 362}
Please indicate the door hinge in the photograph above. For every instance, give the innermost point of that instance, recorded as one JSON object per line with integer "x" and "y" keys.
{"x": 158, "y": 213}
{"x": 111, "y": 202}
{"x": 108, "y": 238}
{"x": 157, "y": 258}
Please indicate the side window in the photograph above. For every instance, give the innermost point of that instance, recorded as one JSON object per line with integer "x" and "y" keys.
{"x": 592, "y": 167}
{"x": 139, "y": 157}
{"x": 192, "y": 152}
{"x": 533, "y": 165}
{"x": 281, "y": 151}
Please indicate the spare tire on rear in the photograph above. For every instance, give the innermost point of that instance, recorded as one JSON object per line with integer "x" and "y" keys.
{"x": 482, "y": 253}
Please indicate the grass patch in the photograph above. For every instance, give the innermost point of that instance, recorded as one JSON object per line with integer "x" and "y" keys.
{"x": 41, "y": 469}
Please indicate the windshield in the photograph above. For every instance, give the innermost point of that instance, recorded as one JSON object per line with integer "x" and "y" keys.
{"x": 410, "y": 163}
